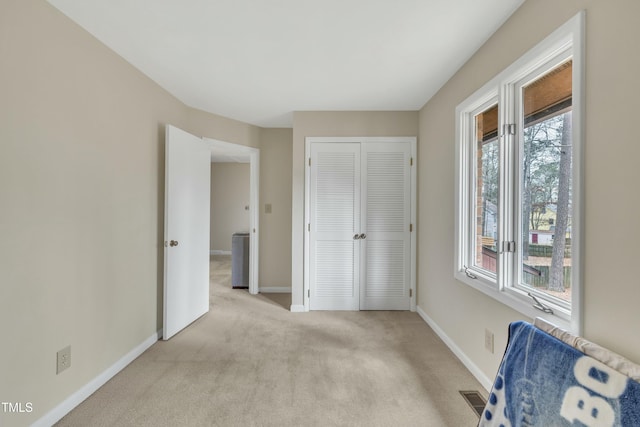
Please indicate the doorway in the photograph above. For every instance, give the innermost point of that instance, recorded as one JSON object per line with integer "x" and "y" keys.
{"x": 233, "y": 158}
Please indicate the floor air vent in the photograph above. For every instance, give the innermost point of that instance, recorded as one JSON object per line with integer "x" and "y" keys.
{"x": 475, "y": 400}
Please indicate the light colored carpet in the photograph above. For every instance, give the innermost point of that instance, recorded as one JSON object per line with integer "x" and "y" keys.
{"x": 251, "y": 362}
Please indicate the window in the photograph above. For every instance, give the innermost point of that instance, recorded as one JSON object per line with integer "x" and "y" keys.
{"x": 518, "y": 182}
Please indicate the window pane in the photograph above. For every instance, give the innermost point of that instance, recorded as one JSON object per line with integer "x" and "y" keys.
{"x": 545, "y": 255}
{"x": 486, "y": 197}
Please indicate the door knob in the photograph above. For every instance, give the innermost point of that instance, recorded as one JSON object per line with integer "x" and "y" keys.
{"x": 356, "y": 237}
{"x": 363, "y": 236}
{"x": 173, "y": 243}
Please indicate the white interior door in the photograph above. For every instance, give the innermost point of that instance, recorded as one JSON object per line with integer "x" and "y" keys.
{"x": 360, "y": 254}
{"x": 385, "y": 269}
{"x": 186, "y": 230}
{"x": 334, "y": 221}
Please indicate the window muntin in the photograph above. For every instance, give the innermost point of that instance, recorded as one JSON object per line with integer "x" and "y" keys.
{"x": 522, "y": 110}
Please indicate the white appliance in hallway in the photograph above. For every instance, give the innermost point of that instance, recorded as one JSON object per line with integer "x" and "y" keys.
{"x": 240, "y": 260}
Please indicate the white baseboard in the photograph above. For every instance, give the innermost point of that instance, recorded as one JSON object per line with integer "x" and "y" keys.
{"x": 88, "y": 389}
{"x": 297, "y": 308}
{"x": 218, "y": 252}
{"x": 275, "y": 290}
{"x": 466, "y": 361}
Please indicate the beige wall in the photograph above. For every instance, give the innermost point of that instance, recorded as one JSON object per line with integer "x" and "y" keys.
{"x": 221, "y": 128}
{"x": 82, "y": 194}
{"x": 338, "y": 123}
{"x": 229, "y": 197}
{"x": 611, "y": 206}
{"x": 82, "y": 137}
{"x": 275, "y": 189}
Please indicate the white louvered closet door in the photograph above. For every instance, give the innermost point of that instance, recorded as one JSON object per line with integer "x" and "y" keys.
{"x": 334, "y": 221}
{"x": 386, "y": 217}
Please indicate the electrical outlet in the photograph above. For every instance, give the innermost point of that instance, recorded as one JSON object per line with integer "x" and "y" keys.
{"x": 267, "y": 208}
{"x": 63, "y": 358}
{"x": 488, "y": 340}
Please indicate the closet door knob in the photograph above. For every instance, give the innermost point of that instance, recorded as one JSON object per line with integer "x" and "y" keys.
{"x": 363, "y": 236}
{"x": 173, "y": 243}
{"x": 356, "y": 237}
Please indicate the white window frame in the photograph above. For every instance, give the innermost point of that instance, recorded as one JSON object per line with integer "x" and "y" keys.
{"x": 566, "y": 42}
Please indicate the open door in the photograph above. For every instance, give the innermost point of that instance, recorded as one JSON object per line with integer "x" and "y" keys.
{"x": 186, "y": 230}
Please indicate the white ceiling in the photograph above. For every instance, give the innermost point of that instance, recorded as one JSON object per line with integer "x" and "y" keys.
{"x": 258, "y": 61}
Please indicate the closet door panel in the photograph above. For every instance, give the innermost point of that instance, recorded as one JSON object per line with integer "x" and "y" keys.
{"x": 334, "y": 221}
{"x": 386, "y": 215}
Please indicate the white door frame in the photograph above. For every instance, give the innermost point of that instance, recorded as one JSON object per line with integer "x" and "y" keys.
{"x": 307, "y": 206}
{"x": 254, "y": 202}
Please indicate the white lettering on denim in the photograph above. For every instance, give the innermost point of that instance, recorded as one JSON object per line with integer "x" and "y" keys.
{"x": 578, "y": 404}
{"x": 612, "y": 385}
{"x": 592, "y": 411}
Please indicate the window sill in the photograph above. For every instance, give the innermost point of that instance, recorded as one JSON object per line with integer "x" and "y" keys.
{"x": 520, "y": 302}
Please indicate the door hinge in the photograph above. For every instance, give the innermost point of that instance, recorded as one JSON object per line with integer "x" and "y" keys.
{"x": 308, "y": 293}
{"x": 410, "y": 292}
{"x": 410, "y": 228}
{"x": 509, "y": 129}
{"x": 308, "y": 227}
{"x": 309, "y": 161}
{"x": 411, "y": 162}
{"x": 507, "y": 246}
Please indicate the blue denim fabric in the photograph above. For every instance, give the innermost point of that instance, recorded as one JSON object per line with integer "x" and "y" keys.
{"x": 545, "y": 382}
